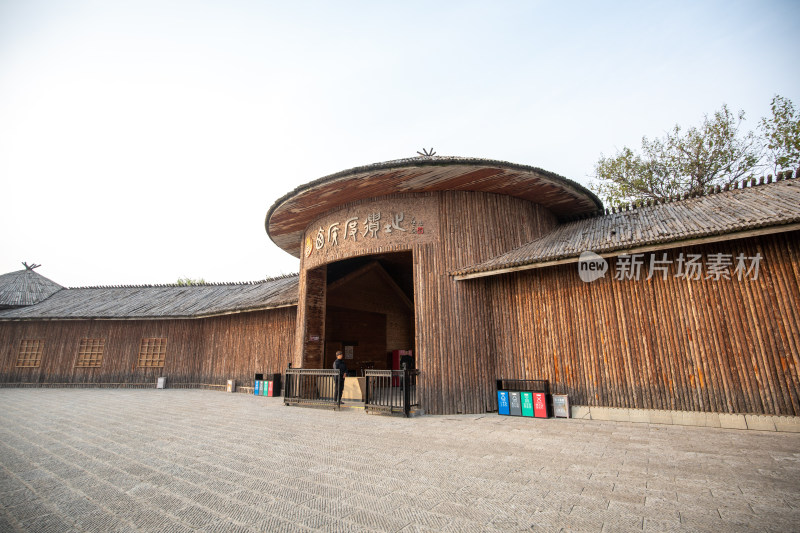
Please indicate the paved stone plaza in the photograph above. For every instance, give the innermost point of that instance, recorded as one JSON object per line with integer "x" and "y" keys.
{"x": 193, "y": 460}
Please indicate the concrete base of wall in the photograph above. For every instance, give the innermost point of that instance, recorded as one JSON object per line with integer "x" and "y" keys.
{"x": 790, "y": 424}
{"x": 152, "y": 385}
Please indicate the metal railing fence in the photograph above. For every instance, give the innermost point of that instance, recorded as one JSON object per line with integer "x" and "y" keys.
{"x": 311, "y": 387}
{"x": 393, "y": 391}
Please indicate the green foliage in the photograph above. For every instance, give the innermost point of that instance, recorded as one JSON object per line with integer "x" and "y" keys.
{"x": 184, "y": 281}
{"x": 782, "y": 135}
{"x": 717, "y": 152}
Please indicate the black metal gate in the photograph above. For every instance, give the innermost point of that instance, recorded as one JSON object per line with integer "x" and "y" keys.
{"x": 311, "y": 387}
{"x": 393, "y": 391}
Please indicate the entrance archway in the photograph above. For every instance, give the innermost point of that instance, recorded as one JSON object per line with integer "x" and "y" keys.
{"x": 369, "y": 310}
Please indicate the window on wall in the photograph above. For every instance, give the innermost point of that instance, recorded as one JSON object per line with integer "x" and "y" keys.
{"x": 152, "y": 352}
{"x": 30, "y": 353}
{"x": 90, "y": 353}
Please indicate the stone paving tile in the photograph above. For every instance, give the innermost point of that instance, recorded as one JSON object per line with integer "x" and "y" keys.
{"x": 17, "y": 497}
{"x": 48, "y": 523}
{"x": 460, "y": 525}
{"x": 98, "y": 521}
{"x": 98, "y": 460}
{"x": 546, "y": 521}
{"x": 376, "y": 521}
{"x": 412, "y": 515}
{"x": 317, "y": 520}
{"x": 223, "y": 525}
{"x": 149, "y": 519}
{"x": 280, "y": 525}
{"x": 458, "y": 511}
{"x": 253, "y": 498}
{"x": 28, "y": 510}
{"x": 662, "y": 524}
{"x": 335, "y": 508}
{"x": 340, "y": 527}
{"x": 660, "y": 507}
{"x": 195, "y": 516}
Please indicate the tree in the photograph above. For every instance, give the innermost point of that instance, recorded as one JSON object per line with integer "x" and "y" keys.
{"x": 782, "y": 135}
{"x": 716, "y": 153}
{"x": 185, "y": 282}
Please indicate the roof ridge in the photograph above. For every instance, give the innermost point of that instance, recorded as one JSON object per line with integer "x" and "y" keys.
{"x": 748, "y": 182}
{"x": 204, "y": 284}
{"x": 677, "y": 221}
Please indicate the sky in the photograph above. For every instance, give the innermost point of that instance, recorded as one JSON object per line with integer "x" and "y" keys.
{"x": 142, "y": 142}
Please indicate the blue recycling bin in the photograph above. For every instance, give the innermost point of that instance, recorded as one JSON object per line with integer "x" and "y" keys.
{"x": 502, "y": 402}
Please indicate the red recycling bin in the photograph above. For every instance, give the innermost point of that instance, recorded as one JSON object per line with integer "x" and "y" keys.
{"x": 540, "y": 405}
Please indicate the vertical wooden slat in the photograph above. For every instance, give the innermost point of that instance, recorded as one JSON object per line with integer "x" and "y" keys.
{"x": 697, "y": 345}
{"x": 206, "y": 350}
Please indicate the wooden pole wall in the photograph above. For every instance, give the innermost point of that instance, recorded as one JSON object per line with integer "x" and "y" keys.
{"x": 310, "y": 327}
{"x": 455, "y": 347}
{"x": 730, "y": 346}
{"x": 199, "y": 351}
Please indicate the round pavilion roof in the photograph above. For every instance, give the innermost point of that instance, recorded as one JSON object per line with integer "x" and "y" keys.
{"x": 288, "y": 217}
{"x": 25, "y": 287}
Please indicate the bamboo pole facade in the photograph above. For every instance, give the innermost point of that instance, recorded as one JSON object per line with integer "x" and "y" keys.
{"x": 728, "y": 346}
{"x": 453, "y": 338}
{"x": 198, "y": 351}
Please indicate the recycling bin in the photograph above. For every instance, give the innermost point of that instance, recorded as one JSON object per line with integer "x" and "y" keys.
{"x": 541, "y": 409}
{"x": 527, "y": 403}
{"x": 524, "y": 397}
{"x": 257, "y": 383}
{"x": 274, "y": 387}
{"x": 514, "y": 403}
{"x": 502, "y": 402}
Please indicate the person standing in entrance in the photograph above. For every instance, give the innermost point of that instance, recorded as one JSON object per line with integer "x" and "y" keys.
{"x": 341, "y": 366}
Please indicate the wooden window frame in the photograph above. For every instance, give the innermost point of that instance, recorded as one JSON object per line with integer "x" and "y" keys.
{"x": 30, "y": 353}
{"x": 90, "y": 353}
{"x": 152, "y": 352}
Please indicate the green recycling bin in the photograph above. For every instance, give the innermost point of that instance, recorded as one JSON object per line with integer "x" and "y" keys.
{"x": 527, "y": 403}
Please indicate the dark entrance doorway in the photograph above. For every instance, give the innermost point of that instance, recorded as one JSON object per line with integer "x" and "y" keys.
{"x": 369, "y": 310}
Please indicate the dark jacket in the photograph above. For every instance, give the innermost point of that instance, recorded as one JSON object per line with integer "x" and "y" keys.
{"x": 406, "y": 362}
{"x": 341, "y": 366}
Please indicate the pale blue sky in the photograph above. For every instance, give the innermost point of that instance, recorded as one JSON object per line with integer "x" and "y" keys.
{"x": 143, "y": 141}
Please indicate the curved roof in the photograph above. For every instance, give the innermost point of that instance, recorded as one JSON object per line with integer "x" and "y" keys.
{"x": 25, "y": 287}
{"x": 289, "y": 216}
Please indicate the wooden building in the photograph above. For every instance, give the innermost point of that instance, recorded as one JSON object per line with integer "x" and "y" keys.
{"x": 195, "y": 336}
{"x": 485, "y": 270}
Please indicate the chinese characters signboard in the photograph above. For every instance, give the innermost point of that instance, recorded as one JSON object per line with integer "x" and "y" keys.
{"x": 399, "y": 223}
